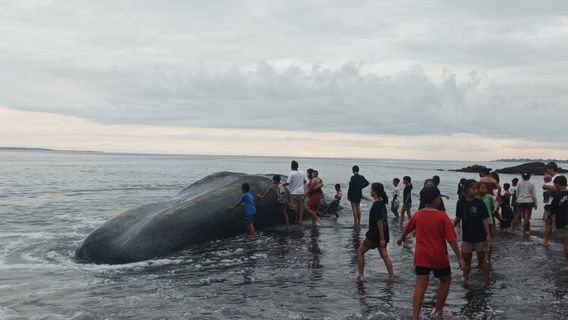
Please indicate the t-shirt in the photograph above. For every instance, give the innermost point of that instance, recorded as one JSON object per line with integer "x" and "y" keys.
{"x": 559, "y": 208}
{"x": 281, "y": 193}
{"x": 433, "y": 229}
{"x": 378, "y": 212}
{"x": 296, "y": 182}
{"x": 396, "y": 193}
{"x": 356, "y": 185}
{"x": 472, "y": 214}
{"x": 489, "y": 204}
{"x": 526, "y": 192}
{"x": 551, "y": 183}
{"x": 248, "y": 201}
{"x": 407, "y": 193}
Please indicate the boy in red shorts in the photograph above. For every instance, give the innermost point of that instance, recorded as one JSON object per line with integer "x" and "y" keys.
{"x": 433, "y": 229}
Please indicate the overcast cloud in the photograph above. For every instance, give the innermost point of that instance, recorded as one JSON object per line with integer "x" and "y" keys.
{"x": 497, "y": 68}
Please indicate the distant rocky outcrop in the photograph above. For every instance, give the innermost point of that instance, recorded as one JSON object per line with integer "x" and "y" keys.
{"x": 472, "y": 169}
{"x": 534, "y": 168}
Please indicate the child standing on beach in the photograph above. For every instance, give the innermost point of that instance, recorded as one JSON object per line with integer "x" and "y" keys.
{"x": 281, "y": 194}
{"x": 433, "y": 229}
{"x": 506, "y": 209}
{"x": 475, "y": 230}
{"x": 407, "y": 199}
{"x": 378, "y": 235}
{"x": 247, "y": 200}
{"x": 395, "y": 204}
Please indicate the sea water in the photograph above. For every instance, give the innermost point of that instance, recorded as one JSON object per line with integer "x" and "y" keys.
{"x": 50, "y": 201}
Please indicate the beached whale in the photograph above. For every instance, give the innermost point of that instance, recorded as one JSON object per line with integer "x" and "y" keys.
{"x": 198, "y": 213}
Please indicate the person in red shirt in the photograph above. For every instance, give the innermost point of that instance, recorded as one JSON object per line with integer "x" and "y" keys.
{"x": 433, "y": 229}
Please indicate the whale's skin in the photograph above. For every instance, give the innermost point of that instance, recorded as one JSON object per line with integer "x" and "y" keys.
{"x": 198, "y": 213}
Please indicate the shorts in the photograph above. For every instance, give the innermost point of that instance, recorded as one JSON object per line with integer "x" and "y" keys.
{"x": 438, "y": 273}
{"x": 525, "y": 206}
{"x": 407, "y": 206}
{"x": 250, "y": 218}
{"x": 371, "y": 244}
{"x": 314, "y": 201}
{"x": 562, "y": 234}
{"x": 469, "y": 247}
{"x": 296, "y": 199}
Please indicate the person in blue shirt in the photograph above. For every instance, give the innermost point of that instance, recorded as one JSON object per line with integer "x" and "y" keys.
{"x": 247, "y": 201}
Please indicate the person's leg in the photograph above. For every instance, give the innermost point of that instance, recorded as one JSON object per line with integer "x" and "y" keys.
{"x": 394, "y": 210}
{"x": 252, "y": 231}
{"x": 300, "y": 207}
{"x": 418, "y": 296}
{"x": 482, "y": 258}
{"x": 312, "y": 211}
{"x": 388, "y": 263}
{"x": 442, "y": 295}
{"x": 358, "y": 206}
{"x": 361, "y": 261}
{"x": 516, "y": 219}
{"x": 402, "y": 217}
{"x": 285, "y": 213}
{"x": 547, "y": 228}
{"x": 354, "y": 209}
{"x": 467, "y": 267}
{"x": 527, "y": 217}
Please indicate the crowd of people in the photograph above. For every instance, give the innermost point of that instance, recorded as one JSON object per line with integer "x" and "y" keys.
{"x": 481, "y": 203}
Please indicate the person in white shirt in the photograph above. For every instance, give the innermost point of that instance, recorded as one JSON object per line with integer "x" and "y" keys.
{"x": 295, "y": 184}
{"x": 395, "y": 203}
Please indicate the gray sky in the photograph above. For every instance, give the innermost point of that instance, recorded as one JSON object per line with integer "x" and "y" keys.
{"x": 492, "y": 71}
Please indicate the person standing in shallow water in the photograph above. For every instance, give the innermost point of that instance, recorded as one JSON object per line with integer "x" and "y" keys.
{"x": 526, "y": 202}
{"x": 378, "y": 235}
{"x": 407, "y": 199}
{"x": 295, "y": 184}
{"x": 355, "y": 194}
{"x": 433, "y": 229}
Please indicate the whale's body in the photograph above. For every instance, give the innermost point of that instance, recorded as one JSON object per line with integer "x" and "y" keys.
{"x": 197, "y": 214}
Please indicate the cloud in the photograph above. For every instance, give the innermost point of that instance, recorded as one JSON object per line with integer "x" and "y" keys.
{"x": 433, "y": 68}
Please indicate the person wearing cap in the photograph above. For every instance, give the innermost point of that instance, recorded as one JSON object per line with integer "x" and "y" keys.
{"x": 433, "y": 230}
{"x": 526, "y": 202}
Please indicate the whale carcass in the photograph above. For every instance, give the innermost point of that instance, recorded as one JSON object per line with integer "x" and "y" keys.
{"x": 198, "y": 213}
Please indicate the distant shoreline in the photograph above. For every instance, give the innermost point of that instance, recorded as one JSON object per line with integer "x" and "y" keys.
{"x": 46, "y": 150}
{"x": 530, "y": 160}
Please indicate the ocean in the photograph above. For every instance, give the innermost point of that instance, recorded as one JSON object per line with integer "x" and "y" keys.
{"x": 50, "y": 201}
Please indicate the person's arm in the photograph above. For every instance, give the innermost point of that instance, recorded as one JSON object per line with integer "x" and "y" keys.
{"x": 454, "y": 245}
{"x": 457, "y": 221}
{"x": 444, "y": 196}
{"x": 269, "y": 190}
{"x": 364, "y": 183}
{"x": 236, "y": 205}
{"x": 408, "y": 229}
{"x": 533, "y": 193}
{"x": 486, "y": 227}
{"x": 381, "y": 225}
{"x": 547, "y": 187}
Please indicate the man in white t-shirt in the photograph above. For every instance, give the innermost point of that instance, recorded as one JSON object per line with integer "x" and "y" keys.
{"x": 295, "y": 184}
{"x": 551, "y": 170}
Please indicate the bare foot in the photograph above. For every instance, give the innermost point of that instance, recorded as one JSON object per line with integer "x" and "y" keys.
{"x": 359, "y": 277}
{"x": 542, "y": 243}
